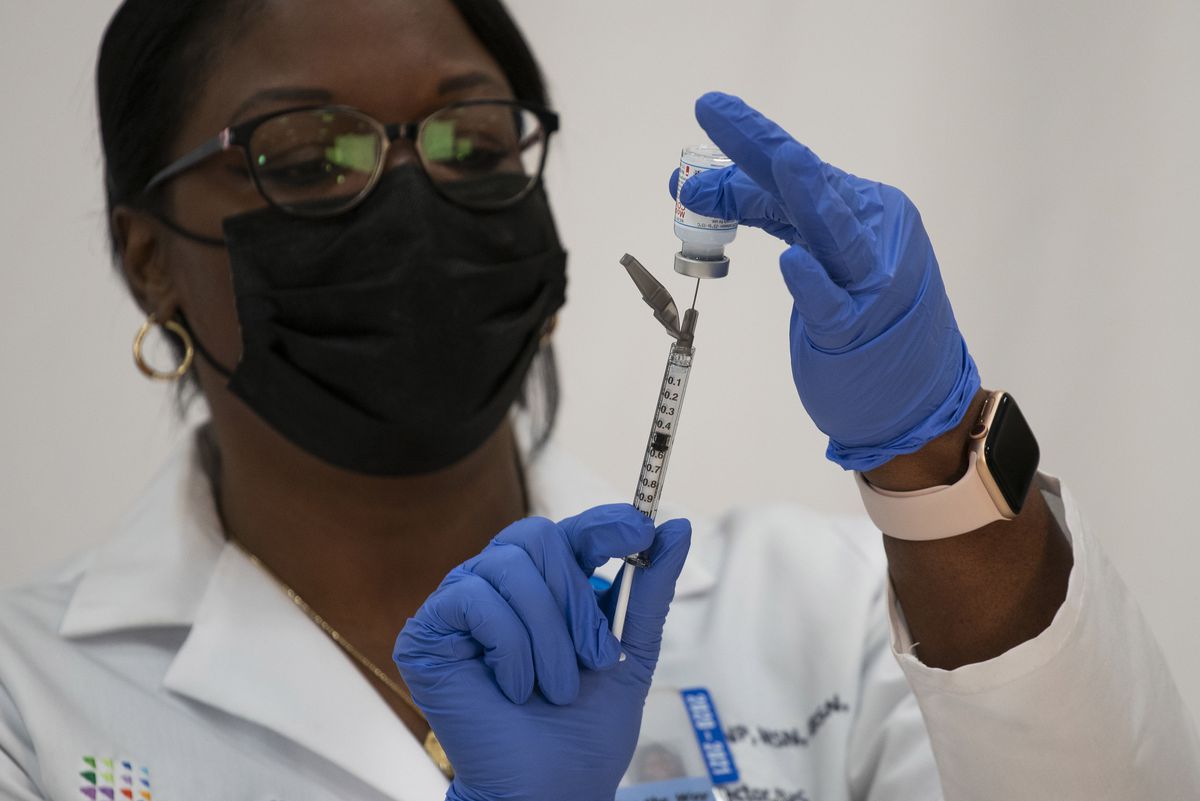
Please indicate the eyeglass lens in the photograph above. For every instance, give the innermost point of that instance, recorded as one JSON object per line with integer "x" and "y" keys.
{"x": 317, "y": 159}
{"x": 323, "y": 161}
{"x": 482, "y": 154}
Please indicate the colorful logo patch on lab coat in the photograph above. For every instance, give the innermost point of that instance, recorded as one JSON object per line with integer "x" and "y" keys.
{"x": 110, "y": 779}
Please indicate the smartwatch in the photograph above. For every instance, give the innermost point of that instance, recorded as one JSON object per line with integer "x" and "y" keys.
{"x": 1002, "y": 460}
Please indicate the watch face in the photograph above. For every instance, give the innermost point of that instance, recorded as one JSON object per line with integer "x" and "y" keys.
{"x": 1011, "y": 452}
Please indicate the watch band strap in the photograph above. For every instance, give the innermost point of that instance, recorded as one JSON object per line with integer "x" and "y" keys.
{"x": 934, "y": 513}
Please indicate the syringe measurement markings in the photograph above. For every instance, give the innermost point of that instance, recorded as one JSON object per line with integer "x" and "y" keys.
{"x": 656, "y": 450}
{"x": 648, "y": 482}
{"x": 666, "y": 418}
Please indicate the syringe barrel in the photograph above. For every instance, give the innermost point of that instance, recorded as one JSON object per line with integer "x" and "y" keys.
{"x": 662, "y": 435}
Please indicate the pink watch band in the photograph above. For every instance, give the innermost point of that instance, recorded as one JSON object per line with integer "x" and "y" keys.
{"x": 933, "y": 513}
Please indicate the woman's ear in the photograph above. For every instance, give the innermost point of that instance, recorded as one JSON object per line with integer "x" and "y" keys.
{"x": 139, "y": 239}
{"x": 549, "y": 328}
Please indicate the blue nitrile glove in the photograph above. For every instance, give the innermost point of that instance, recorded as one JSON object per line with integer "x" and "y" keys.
{"x": 876, "y": 354}
{"x": 522, "y": 615}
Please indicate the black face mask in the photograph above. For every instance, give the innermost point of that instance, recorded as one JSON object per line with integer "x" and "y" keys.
{"x": 394, "y": 339}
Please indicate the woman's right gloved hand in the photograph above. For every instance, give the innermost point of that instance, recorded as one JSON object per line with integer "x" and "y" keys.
{"x": 877, "y": 356}
{"x": 513, "y": 662}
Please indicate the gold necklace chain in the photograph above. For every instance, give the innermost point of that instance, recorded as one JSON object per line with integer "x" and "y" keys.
{"x": 432, "y": 746}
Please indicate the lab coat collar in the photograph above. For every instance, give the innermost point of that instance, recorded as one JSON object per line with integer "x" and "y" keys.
{"x": 250, "y": 652}
{"x": 155, "y": 570}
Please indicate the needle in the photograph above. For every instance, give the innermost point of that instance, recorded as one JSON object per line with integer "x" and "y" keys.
{"x": 696, "y": 294}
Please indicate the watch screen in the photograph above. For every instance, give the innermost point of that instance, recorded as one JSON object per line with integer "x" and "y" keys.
{"x": 1011, "y": 452}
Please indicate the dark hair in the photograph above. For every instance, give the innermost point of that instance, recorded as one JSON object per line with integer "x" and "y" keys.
{"x": 155, "y": 58}
{"x": 156, "y": 54}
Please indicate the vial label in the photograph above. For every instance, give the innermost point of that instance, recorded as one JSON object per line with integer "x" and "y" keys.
{"x": 690, "y": 219}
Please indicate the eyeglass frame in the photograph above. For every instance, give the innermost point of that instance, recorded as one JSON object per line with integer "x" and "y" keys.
{"x": 240, "y": 134}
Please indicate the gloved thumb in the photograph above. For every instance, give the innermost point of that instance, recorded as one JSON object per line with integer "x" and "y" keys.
{"x": 727, "y": 194}
{"x": 652, "y": 591}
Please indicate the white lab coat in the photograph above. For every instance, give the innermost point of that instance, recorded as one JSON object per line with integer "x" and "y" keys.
{"x": 164, "y": 665}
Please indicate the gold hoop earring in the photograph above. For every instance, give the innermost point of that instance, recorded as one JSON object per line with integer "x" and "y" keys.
{"x": 189, "y": 351}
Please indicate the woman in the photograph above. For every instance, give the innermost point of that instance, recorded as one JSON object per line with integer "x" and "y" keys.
{"x": 336, "y": 211}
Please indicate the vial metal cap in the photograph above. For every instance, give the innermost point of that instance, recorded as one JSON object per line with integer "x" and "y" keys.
{"x": 701, "y": 268}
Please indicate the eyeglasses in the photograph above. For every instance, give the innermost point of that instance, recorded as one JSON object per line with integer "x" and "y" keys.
{"x": 325, "y": 160}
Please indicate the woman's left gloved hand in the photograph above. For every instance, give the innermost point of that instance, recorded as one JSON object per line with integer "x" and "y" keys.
{"x": 512, "y": 661}
{"x": 876, "y": 353}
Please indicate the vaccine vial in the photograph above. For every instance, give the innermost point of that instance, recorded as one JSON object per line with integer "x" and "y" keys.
{"x": 702, "y": 254}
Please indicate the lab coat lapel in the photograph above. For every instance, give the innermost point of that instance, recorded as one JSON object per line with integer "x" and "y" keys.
{"x": 154, "y": 570}
{"x": 253, "y": 654}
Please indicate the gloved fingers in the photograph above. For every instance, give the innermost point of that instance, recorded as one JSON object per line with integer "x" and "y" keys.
{"x": 652, "y": 591}
{"x": 730, "y": 194}
{"x": 829, "y": 227}
{"x": 796, "y": 178}
{"x": 606, "y": 532}
{"x": 720, "y": 110}
{"x": 823, "y": 305}
{"x": 515, "y": 579}
{"x": 464, "y": 619}
{"x": 744, "y": 135}
{"x": 849, "y": 187}
{"x": 753, "y": 142}
{"x": 547, "y": 547}
{"x": 861, "y": 195}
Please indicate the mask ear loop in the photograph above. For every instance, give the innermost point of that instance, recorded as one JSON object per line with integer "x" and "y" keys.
{"x": 203, "y": 351}
{"x": 176, "y": 228}
{"x": 180, "y": 317}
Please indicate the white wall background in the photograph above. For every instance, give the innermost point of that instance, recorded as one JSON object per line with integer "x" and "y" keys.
{"x": 1051, "y": 146}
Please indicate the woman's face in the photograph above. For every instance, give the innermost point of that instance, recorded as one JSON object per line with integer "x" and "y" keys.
{"x": 396, "y": 60}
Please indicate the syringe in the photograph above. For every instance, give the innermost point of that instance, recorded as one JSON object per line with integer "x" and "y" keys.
{"x": 667, "y": 411}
